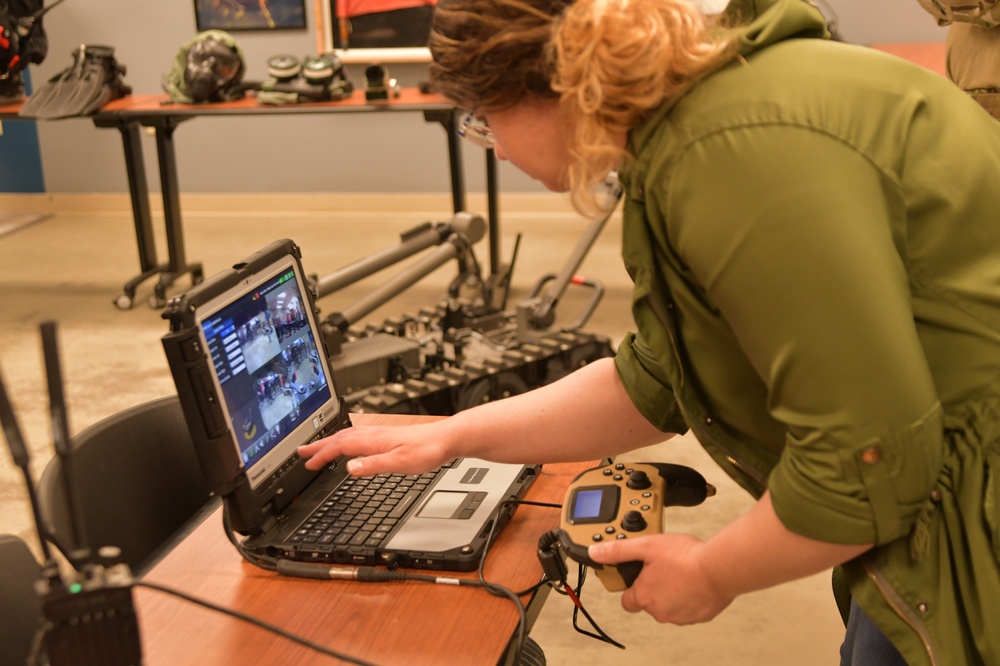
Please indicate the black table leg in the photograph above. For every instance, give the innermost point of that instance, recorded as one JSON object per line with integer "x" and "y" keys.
{"x": 138, "y": 189}
{"x": 447, "y": 119}
{"x": 493, "y": 209}
{"x": 177, "y": 264}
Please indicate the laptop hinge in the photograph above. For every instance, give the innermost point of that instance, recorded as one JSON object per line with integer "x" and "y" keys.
{"x": 270, "y": 521}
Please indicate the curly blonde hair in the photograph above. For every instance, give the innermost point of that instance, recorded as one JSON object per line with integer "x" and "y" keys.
{"x": 609, "y": 63}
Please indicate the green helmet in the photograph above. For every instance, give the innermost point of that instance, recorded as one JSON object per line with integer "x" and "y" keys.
{"x": 208, "y": 68}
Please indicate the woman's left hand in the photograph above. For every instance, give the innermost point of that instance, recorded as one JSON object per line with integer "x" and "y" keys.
{"x": 685, "y": 580}
{"x": 672, "y": 586}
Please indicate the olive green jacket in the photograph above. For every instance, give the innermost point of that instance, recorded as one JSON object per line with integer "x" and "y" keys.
{"x": 814, "y": 235}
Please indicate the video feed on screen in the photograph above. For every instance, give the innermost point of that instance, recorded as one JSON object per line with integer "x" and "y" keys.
{"x": 267, "y": 363}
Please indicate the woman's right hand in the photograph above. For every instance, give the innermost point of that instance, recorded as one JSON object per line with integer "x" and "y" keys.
{"x": 409, "y": 449}
{"x": 583, "y": 416}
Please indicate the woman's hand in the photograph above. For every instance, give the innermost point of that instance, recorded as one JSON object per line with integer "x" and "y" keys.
{"x": 671, "y": 587}
{"x": 411, "y": 449}
{"x": 686, "y": 580}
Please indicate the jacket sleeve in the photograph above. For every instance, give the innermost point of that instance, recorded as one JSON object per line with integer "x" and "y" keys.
{"x": 801, "y": 247}
{"x": 648, "y": 386}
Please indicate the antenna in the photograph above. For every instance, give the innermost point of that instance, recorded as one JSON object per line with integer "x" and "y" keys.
{"x": 27, "y": 23}
{"x": 89, "y": 617}
{"x": 61, "y": 439}
{"x": 19, "y": 452}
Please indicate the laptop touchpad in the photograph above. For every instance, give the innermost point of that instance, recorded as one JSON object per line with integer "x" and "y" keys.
{"x": 451, "y": 504}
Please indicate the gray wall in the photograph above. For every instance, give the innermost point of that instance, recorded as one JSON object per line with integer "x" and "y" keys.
{"x": 324, "y": 153}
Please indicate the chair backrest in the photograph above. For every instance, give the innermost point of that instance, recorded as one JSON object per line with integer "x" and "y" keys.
{"x": 137, "y": 478}
{"x": 20, "y": 605}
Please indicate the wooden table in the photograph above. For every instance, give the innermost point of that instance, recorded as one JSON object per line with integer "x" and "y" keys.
{"x": 128, "y": 114}
{"x": 407, "y": 623}
{"x": 131, "y": 113}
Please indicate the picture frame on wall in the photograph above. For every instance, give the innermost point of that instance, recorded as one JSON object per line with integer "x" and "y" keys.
{"x": 376, "y": 30}
{"x": 235, "y": 15}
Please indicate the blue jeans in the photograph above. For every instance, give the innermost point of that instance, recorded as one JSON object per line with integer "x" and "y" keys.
{"x": 866, "y": 645}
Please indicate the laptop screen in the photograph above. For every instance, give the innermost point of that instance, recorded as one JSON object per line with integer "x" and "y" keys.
{"x": 268, "y": 367}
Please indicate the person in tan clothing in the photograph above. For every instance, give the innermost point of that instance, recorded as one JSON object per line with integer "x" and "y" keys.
{"x": 972, "y": 46}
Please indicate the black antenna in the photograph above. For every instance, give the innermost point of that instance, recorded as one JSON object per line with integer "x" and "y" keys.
{"x": 19, "y": 452}
{"x": 510, "y": 272}
{"x": 61, "y": 439}
{"x": 27, "y": 23}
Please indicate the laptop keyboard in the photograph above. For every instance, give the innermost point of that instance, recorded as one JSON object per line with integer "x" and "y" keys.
{"x": 363, "y": 511}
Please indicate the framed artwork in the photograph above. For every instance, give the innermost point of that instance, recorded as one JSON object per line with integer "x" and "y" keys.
{"x": 375, "y": 30}
{"x": 233, "y": 15}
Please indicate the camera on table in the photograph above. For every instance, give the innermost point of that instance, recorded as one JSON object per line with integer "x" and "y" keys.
{"x": 378, "y": 86}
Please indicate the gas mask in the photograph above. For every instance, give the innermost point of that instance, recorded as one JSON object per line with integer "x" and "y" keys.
{"x": 209, "y": 68}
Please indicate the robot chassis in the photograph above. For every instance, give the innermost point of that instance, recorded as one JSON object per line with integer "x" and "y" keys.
{"x": 469, "y": 348}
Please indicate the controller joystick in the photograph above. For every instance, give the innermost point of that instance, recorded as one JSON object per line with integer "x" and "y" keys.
{"x": 633, "y": 522}
{"x": 618, "y": 506}
{"x": 638, "y": 480}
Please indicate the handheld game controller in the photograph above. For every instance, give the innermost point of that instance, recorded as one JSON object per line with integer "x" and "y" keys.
{"x": 624, "y": 501}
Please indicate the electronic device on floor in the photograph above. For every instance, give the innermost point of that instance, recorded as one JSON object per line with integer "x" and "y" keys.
{"x": 624, "y": 501}
{"x": 255, "y": 383}
{"x": 88, "y": 614}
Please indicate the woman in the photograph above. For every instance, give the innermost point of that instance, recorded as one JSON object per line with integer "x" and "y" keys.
{"x": 812, "y": 232}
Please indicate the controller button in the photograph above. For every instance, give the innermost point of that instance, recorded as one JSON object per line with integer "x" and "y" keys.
{"x": 607, "y": 472}
{"x": 633, "y": 522}
{"x": 620, "y": 466}
{"x": 647, "y": 494}
{"x": 610, "y": 529}
{"x": 621, "y": 535}
{"x": 618, "y": 477}
{"x": 645, "y": 507}
{"x": 633, "y": 502}
{"x": 638, "y": 480}
{"x": 597, "y": 537}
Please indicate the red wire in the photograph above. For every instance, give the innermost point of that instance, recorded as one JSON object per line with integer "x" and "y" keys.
{"x": 572, "y": 595}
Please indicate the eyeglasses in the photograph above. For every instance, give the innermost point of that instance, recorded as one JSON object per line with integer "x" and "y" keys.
{"x": 476, "y": 131}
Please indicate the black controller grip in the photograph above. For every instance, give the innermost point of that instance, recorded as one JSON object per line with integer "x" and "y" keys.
{"x": 629, "y": 571}
{"x": 685, "y": 486}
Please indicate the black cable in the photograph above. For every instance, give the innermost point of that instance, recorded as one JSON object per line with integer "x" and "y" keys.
{"x": 374, "y": 574}
{"x": 550, "y": 505}
{"x": 370, "y": 574}
{"x": 35, "y": 656}
{"x": 578, "y": 606}
{"x": 544, "y": 581}
{"x": 534, "y": 588}
{"x": 501, "y": 591}
{"x": 489, "y": 542}
{"x": 254, "y": 621}
{"x": 550, "y": 554}
{"x": 262, "y": 561}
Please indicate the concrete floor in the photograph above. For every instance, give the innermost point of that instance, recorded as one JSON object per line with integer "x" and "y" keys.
{"x": 70, "y": 267}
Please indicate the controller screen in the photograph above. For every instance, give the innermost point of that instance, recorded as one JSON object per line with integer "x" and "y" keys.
{"x": 588, "y": 504}
{"x": 593, "y": 504}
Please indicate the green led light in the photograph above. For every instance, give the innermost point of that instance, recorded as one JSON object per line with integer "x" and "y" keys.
{"x": 75, "y": 588}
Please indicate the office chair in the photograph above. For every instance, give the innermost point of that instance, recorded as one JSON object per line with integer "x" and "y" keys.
{"x": 20, "y": 605}
{"x": 137, "y": 480}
